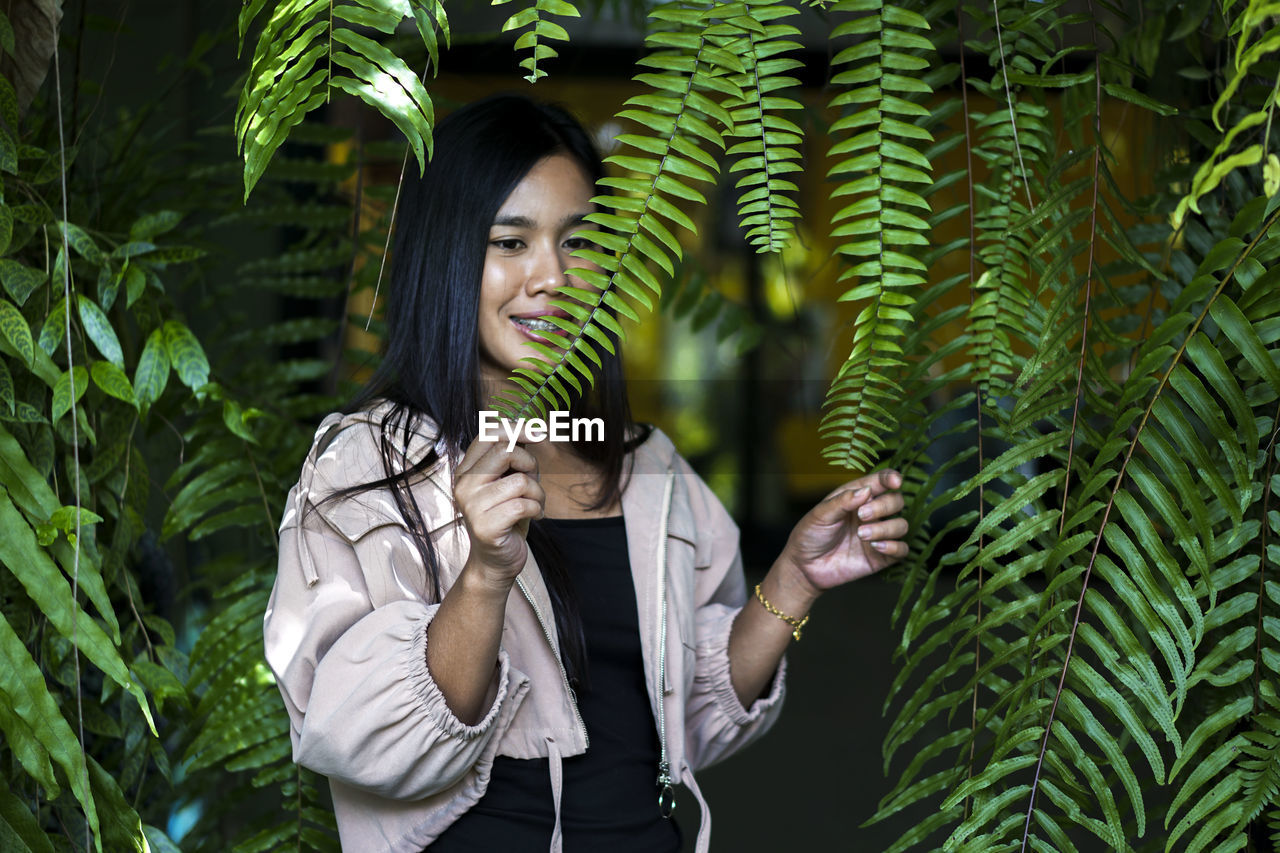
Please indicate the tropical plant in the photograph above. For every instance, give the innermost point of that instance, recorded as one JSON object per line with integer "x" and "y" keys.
{"x": 94, "y": 354}
{"x": 1090, "y": 650}
{"x": 106, "y": 398}
{"x": 253, "y": 796}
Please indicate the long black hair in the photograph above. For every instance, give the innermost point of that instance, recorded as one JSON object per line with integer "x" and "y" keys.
{"x": 430, "y": 364}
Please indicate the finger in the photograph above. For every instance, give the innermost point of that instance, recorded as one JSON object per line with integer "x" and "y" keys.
{"x": 515, "y": 485}
{"x": 839, "y": 504}
{"x": 476, "y": 451}
{"x": 894, "y": 549}
{"x": 890, "y": 479}
{"x": 851, "y": 486}
{"x": 496, "y": 462}
{"x": 878, "y": 482}
{"x": 479, "y": 501}
{"x": 890, "y": 503}
{"x": 505, "y": 517}
{"x": 522, "y": 460}
{"x": 894, "y": 528}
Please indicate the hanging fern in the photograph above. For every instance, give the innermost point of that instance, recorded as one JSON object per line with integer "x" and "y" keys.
{"x": 771, "y": 146}
{"x": 1013, "y": 145}
{"x": 694, "y": 71}
{"x": 292, "y": 70}
{"x": 1088, "y": 594}
{"x": 880, "y": 227}
{"x": 540, "y": 31}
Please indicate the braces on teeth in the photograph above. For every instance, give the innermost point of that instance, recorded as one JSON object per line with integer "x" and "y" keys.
{"x": 537, "y": 325}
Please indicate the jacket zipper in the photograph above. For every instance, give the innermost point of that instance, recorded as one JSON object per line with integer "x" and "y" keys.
{"x": 666, "y": 796}
{"x": 564, "y": 675}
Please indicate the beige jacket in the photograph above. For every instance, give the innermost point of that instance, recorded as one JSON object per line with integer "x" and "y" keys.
{"x": 346, "y": 637}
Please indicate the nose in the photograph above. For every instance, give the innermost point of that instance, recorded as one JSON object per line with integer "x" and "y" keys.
{"x": 547, "y": 266}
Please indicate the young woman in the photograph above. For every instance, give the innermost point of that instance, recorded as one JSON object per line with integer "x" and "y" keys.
{"x": 524, "y": 648}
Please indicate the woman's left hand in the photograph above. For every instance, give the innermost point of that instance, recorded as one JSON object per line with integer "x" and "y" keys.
{"x": 852, "y": 533}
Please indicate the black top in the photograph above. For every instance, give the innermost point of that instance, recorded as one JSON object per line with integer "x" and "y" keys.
{"x": 610, "y": 798}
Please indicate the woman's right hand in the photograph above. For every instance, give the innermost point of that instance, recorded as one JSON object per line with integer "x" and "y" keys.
{"x": 498, "y": 494}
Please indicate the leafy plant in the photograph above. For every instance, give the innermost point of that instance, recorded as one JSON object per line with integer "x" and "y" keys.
{"x": 103, "y": 714}
{"x": 245, "y": 462}
{"x": 89, "y": 340}
{"x": 292, "y": 70}
{"x": 1089, "y": 646}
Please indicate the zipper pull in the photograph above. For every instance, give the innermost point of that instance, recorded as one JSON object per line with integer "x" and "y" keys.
{"x": 666, "y": 794}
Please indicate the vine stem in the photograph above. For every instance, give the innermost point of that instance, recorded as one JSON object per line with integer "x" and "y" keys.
{"x": 1262, "y": 560}
{"x": 1088, "y": 276}
{"x": 391, "y": 224}
{"x": 75, "y": 431}
{"x": 1106, "y": 515}
{"x": 982, "y": 502}
{"x": 262, "y": 493}
{"x": 386, "y": 246}
{"x": 1008, "y": 94}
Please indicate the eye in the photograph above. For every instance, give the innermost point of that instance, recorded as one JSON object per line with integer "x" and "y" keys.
{"x": 507, "y": 244}
{"x": 575, "y": 243}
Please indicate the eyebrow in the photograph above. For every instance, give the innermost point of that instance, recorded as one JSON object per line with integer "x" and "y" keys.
{"x": 526, "y": 222}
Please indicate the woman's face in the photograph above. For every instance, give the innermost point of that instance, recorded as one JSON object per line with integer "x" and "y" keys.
{"x": 529, "y": 249}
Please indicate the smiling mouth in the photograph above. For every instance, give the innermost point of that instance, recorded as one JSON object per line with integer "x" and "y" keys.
{"x": 535, "y": 324}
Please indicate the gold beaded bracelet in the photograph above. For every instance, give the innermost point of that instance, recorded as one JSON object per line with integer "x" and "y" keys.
{"x": 795, "y": 623}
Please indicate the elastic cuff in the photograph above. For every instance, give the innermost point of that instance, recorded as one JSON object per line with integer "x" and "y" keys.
{"x": 716, "y": 672}
{"x": 433, "y": 700}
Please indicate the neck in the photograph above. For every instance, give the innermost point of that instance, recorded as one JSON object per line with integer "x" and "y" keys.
{"x": 571, "y": 483}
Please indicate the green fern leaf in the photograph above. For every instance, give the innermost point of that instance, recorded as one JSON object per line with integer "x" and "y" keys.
{"x": 770, "y": 147}
{"x": 540, "y": 30}
{"x": 291, "y": 72}
{"x": 858, "y": 402}
{"x": 681, "y": 115}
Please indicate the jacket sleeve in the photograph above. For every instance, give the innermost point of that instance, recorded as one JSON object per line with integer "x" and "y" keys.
{"x": 346, "y": 635}
{"x": 717, "y": 725}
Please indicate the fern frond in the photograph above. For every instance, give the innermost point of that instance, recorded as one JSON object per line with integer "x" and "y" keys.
{"x": 292, "y": 71}
{"x": 243, "y": 721}
{"x": 541, "y": 30}
{"x": 1003, "y": 304}
{"x": 770, "y": 150}
{"x": 1260, "y": 764}
{"x": 879, "y": 226}
{"x": 694, "y": 73}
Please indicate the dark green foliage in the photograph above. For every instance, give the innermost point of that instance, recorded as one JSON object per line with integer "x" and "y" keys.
{"x": 1095, "y": 673}
{"x": 88, "y": 676}
{"x": 1090, "y": 627}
